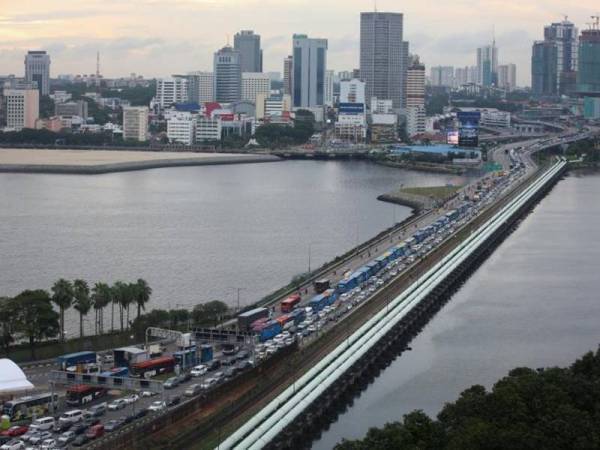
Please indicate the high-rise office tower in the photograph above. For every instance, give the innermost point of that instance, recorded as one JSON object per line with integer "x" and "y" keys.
{"x": 588, "y": 75}
{"x": 227, "y": 75}
{"x": 544, "y": 69}
{"x": 329, "y": 75}
{"x": 254, "y": 84}
{"x": 415, "y": 98}
{"x": 442, "y": 76}
{"x": 310, "y": 65}
{"x": 200, "y": 87}
{"x": 288, "y": 72}
{"x": 487, "y": 65}
{"x": 507, "y": 76}
{"x": 383, "y": 56}
{"x": 248, "y": 44}
{"x": 564, "y": 36}
{"x": 37, "y": 68}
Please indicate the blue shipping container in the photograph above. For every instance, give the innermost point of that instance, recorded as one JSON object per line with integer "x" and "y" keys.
{"x": 72, "y": 359}
{"x": 273, "y": 328}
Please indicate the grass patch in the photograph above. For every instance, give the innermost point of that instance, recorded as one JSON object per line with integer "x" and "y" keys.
{"x": 435, "y": 192}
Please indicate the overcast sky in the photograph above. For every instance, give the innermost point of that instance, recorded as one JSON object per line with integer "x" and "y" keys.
{"x": 160, "y": 37}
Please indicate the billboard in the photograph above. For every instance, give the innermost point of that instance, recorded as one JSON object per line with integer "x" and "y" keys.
{"x": 452, "y": 138}
{"x": 352, "y": 108}
{"x": 468, "y": 128}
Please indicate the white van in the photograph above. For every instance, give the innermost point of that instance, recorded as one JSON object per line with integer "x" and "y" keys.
{"x": 73, "y": 416}
{"x": 42, "y": 424}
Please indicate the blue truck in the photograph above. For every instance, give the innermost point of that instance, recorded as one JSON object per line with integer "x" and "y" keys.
{"x": 271, "y": 329}
{"x": 74, "y": 359}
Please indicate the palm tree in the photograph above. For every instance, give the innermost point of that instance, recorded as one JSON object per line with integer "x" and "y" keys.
{"x": 62, "y": 296}
{"x": 143, "y": 293}
{"x": 101, "y": 297}
{"x": 81, "y": 293}
{"x": 119, "y": 291}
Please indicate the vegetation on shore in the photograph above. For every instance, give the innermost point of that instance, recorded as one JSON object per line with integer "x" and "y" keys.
{"x": 555, "y": 408}
{"x": 434, "y": 192}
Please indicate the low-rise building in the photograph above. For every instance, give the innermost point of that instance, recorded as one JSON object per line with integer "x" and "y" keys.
{"x": 135, "y": 123}
{"x": 181, "y": 129}
{"x": 208, "y": 129}
{"x": 77, "y": 108}
{"x": 22, "y": 108}
{"x": 384, "y": 128}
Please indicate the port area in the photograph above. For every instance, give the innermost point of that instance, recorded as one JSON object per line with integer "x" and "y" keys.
{"x": 91, "y": 162}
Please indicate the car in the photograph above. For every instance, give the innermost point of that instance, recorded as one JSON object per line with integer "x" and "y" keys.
{"x": 117, "y": 404}
{"x": 208, "y": 383}
{"x": 148, "y": 394}
{"x": 91, "y": 422}
{"x": 62, "y": 427}
{"x": 80, "y": 441}
{"x": 243, "y": 365}
{"x": 171, "y": 383}
{"x": 243, "y": 354}
{"x": 218, "y": 376}
{"x": 40, "y": 437}
{"x": 43, "y": 424}
{"x": 67, "y": 437}
{"x": 15, "y": 430}
{"x": 130, "y": 399}
{"x": 95, "y": 432}
{"x": 198, "y": 371}
{"x": 193, "y": 390}
{"x": 48, "y": 444}
{"x": 213, "y": 365}
{"x": 113, "y": 425}
{"x": 79, "y": 428}
{"x": 73, "y": 416}
{"x": 185, "y": 377}
{"x": 157, "y": 406}
{"x": 128, "y": 419}
{"x": 172, "y": 401}
{"x": 139, "y": 414}
{"x": 13, "y": 445}
{"x": 312, "y": 328}
{"x": 271, "y": 350}
{"x": 230, "y": 372}
{"x": 290, "y": 340}
{"x": 98, "y": 410}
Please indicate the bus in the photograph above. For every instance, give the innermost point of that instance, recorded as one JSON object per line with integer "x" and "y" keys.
{"x": 81, "y": 394}
{"x": 152, "y": 367}
{"x": 26, "y": 407}
{"x": 290, "y": 303}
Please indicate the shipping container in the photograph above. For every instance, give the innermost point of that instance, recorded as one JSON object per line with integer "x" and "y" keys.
{"x": 246, "y": 319}
{"x": 272, "y": 328}
{"x": 73, "y": 359}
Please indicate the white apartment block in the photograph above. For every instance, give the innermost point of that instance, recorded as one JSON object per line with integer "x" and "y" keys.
{"x": 208, "y": 129}
{"x": 135, "y": 123}
{"x": 181, "y": 129}
{"x": 22, "y": 108}
{"x": 328, "y": 99}
{"x": 415, "y": 120}
{"x": 351, "y": 127}
{"x": 254, "y": 83}
{"x": 352, "y": 91}
{"x": 172, "y": 90}
{"x": 381, "y": 106}
{"x": 271, "y": 106}
{"x": 201, "y": 87}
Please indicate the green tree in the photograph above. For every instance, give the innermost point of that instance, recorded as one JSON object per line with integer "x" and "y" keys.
{"x": 211, "y": 312}
{"x": 62, "y": 296}
{"x": 46, "y": 107}
{"x": 119, "y": 297}
{"x": 143, "y": 293}
{"x": 101, "y": 297}
{"x": 82, "y": 302}
{"x": 7, "y": 323}
{"x": 35, "y": 318}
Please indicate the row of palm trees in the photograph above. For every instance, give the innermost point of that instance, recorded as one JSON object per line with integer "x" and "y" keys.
{"x": 78, "y": 295}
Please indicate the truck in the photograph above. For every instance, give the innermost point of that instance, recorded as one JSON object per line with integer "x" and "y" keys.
{"x": 155, "y": 350}
{"x": 74, "y": 359}
{"x": 245, "y": 319}
{"x": 321, "y": 285}
{"x": 272, "y": 329}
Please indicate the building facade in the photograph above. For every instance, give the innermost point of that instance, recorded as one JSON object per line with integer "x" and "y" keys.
{"x": 248, "y": 45}
{"x": 383, "y": 56}
{"x": 77, "y": 108}
{"x": 181, "y": 129}
{"x": 564, "y": 36}
{"x": 442, "y": 76}
{"x": 288, "y": 73}
{"x": 507, "y": 76}
{"x": 329, "y": 76}
{"x": 310, "y": 66}
{"x": 254, "y": 84}
{"x": 22, "y": 108}
{"x": 588, "y": 75}
{"x": 200, "y": 87}
{"x": 415, "y": 98}
{"x": 543, "y": 69}
{"x": 172, "y": 90}
{"x": 228, "y": 75}
{"x": 208, "y": 129}
{"x": 352, "y": 91}
{"x": 37, "y": 68}
{"x": 135, "y": 123}
{"x": 487, "y": 65}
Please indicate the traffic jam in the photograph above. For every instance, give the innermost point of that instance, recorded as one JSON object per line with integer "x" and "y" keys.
{"x": 87, "y": 412}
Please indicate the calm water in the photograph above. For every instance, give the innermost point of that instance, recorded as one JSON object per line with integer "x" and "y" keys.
{"x": 197, "y": 233}
{"x": 533, "y": 303}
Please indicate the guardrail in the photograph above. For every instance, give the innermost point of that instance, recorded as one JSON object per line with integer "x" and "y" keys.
{"x": 278, "y": 414}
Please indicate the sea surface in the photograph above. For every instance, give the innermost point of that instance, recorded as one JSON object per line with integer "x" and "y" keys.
{"x": 195, "y": 234}
{"x": 533, "y": 303}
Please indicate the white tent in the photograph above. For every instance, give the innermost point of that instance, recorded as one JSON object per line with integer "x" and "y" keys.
{"x": 12, "y": 378}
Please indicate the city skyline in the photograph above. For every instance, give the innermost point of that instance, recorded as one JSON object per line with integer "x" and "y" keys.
{"x": 129, "y": 39}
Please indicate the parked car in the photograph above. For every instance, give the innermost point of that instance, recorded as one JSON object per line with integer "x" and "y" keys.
{"x": 139, "y": 413}
{"x": 13, "y": 445}
{"x": 98, "y": 410}
{"x": 40, "y": 437}
{"x": 48, "y": 444}
{"x": 208, "y": 383}
{"x": 117, "y": 404}
{"x": 171, "y": 383}
{"x": 80, "y": 441}
{"x": 193, "y": 390}
{"x": 95, "y": 432}
{"x": 213, "y": 365}
{"x": 172, "y": 401}
{"x": 130, "y": 399}
{"x": 43, "y": 424}
{"x": 67, "y": 437}
{"x": 198, "y": 371}
{"x": 157, "y": 406}
{"x": 79, "y": 428}
{"x": 73, "y": 416}
{"x": 148, "y": 394}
